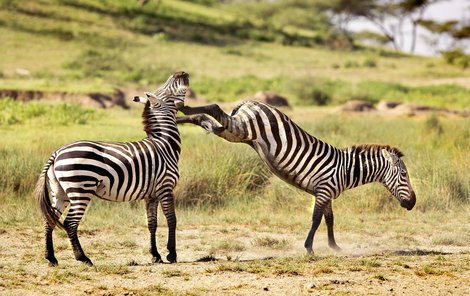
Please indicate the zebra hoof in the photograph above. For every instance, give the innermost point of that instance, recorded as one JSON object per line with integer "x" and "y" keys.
{"x": 157, "y": 259}
{"x": 86, "y": 261}
{"x": 335, "y": 247}
{"x": 171, "y": 258}
{"x": 53, "y": 262}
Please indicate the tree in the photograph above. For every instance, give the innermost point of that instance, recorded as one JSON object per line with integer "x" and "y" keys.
{"x": 388, "y": 16}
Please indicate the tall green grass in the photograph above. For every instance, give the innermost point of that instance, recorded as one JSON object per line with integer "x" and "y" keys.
{"x": 228, "y": 182}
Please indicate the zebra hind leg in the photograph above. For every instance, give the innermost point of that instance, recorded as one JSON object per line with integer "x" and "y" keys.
{"x": 59, "y": 203}
{"x": 71, "y": 222}
{"x": 329, "y": 220}
{"x": 316, "y": 219}
{"x": 49, "y": 254}
{"x": 168, "y": 207}
{"x": 152, "y": 208}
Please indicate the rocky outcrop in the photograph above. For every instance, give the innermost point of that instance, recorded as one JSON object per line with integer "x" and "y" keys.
{"x": 271, "y": 99}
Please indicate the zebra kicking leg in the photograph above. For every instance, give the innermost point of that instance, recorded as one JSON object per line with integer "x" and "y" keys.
{"x": 316, "y": 219}
{"x": 203, "y": 121}
{"x": 152, "y": 209}
{"x": 168, "y": 207}
{"x": 329, "y": 220}
{"x": 78, "y": 206}
{"x": 213, "y": 110}
{"x": 212, "y": 126}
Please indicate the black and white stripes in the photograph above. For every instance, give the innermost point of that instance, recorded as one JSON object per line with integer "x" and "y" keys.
{"x": 305, "y": 161}
{"x": 146, "y": 169}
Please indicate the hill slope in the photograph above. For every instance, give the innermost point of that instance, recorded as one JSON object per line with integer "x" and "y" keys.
{"x": 90, "y": 45}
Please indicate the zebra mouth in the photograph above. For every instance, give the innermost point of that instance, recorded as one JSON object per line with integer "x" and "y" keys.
{"x": 183, "y": 76}
{"x": 409, "y": 203}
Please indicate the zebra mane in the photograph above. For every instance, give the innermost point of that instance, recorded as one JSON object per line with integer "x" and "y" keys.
{"x": 369, "y": 147}
{"x": 148, "y": 118}
{"x": 238, "y": 106}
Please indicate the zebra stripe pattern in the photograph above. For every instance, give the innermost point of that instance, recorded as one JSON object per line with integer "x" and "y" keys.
{"x": 115, "y": 171}
{"x": 305, "y": 161}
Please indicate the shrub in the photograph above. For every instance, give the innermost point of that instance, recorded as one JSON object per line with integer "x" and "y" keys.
{"x": 369, "y": 63}
{"x": 456, "y": 57}
{"x": 351, "y": 64}
{"x": 14, "y": 112}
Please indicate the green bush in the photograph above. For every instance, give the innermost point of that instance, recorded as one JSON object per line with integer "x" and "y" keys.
{"x": 369, "y": 63}
{"x": 13, "y": 112}
{"x": 456, "y": 57}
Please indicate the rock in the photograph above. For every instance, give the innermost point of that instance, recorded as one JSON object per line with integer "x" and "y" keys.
{"x": 271, "y": 99}
{"x": 387, "y": 105}
{"x": 357, "y": 106}
{"x": 190, "y": 94}
{"x": 22, "y": 72}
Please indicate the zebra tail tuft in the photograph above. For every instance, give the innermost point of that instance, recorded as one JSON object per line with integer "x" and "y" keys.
{"x": 43, "y": 200}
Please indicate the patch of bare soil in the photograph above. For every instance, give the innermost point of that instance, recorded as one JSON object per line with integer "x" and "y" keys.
{"x": 214, "y": 260}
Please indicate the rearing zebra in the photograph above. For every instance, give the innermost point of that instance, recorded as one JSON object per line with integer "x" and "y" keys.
{"x": 115, "y": 171}
{"x": 305, "y": 161}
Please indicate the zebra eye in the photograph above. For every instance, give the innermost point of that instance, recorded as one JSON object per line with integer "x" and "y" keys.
{"x": 403, "y": 173}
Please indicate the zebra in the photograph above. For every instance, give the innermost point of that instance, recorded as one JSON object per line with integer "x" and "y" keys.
{"x": 118, "y": 171}
{"x": 305, "y": 161}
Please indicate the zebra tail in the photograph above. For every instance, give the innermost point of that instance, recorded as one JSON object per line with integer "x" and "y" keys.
{"x": 42, "y": 198}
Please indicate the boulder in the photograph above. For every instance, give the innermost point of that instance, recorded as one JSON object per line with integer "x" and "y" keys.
{"x": 357, "y": 106}
{"x": 190, "y": 94}
{"x": 271, "y": 99}
{"x": 387, "y": 105}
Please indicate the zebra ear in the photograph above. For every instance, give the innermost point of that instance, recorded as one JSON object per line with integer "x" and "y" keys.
{"x": 152, "y": 97}
{"x": 141, "y": 100}
{"x": 392, "y": 158}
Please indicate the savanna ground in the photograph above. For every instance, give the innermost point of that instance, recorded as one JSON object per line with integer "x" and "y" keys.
{"x": 240, "y": 229}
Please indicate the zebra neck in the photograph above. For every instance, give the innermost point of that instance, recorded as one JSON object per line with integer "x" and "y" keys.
{"x": 363, "y": 167}
{"x": 164, "y": 134}
{"x": 166, "y": 140}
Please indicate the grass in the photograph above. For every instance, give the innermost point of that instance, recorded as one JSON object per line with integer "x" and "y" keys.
{"x": 67, "y": 51}
{"x": 226, "y": 186}
{"x": 269, "y": 242}
{"x": 235, "y": 181}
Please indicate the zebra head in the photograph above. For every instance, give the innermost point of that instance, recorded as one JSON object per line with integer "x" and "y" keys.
{"x": 396, "y": 178}
{"x": 174, "y": 90}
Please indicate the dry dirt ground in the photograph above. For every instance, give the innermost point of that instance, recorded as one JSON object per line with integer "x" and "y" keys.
{"x": 244, "y": 262}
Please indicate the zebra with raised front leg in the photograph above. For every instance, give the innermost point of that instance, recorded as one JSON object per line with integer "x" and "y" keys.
{"x": 305, "y": 161}
{"x": 118, "y": 171}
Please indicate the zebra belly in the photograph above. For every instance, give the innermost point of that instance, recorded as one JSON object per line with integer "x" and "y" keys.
{"x": 273, "y": 165}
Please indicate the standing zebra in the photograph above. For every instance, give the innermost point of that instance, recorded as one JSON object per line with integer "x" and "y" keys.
{"x": 114, "y": 171}
{"x": 305, "y": 161}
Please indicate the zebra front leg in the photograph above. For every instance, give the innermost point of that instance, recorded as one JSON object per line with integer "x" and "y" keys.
{"x": 168, "y": 207}
{"x": 329, "y": 220}
{"x": 152, "y": 209}
{"x": 71, "y": 222}
{"x": 316, "y": 219}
